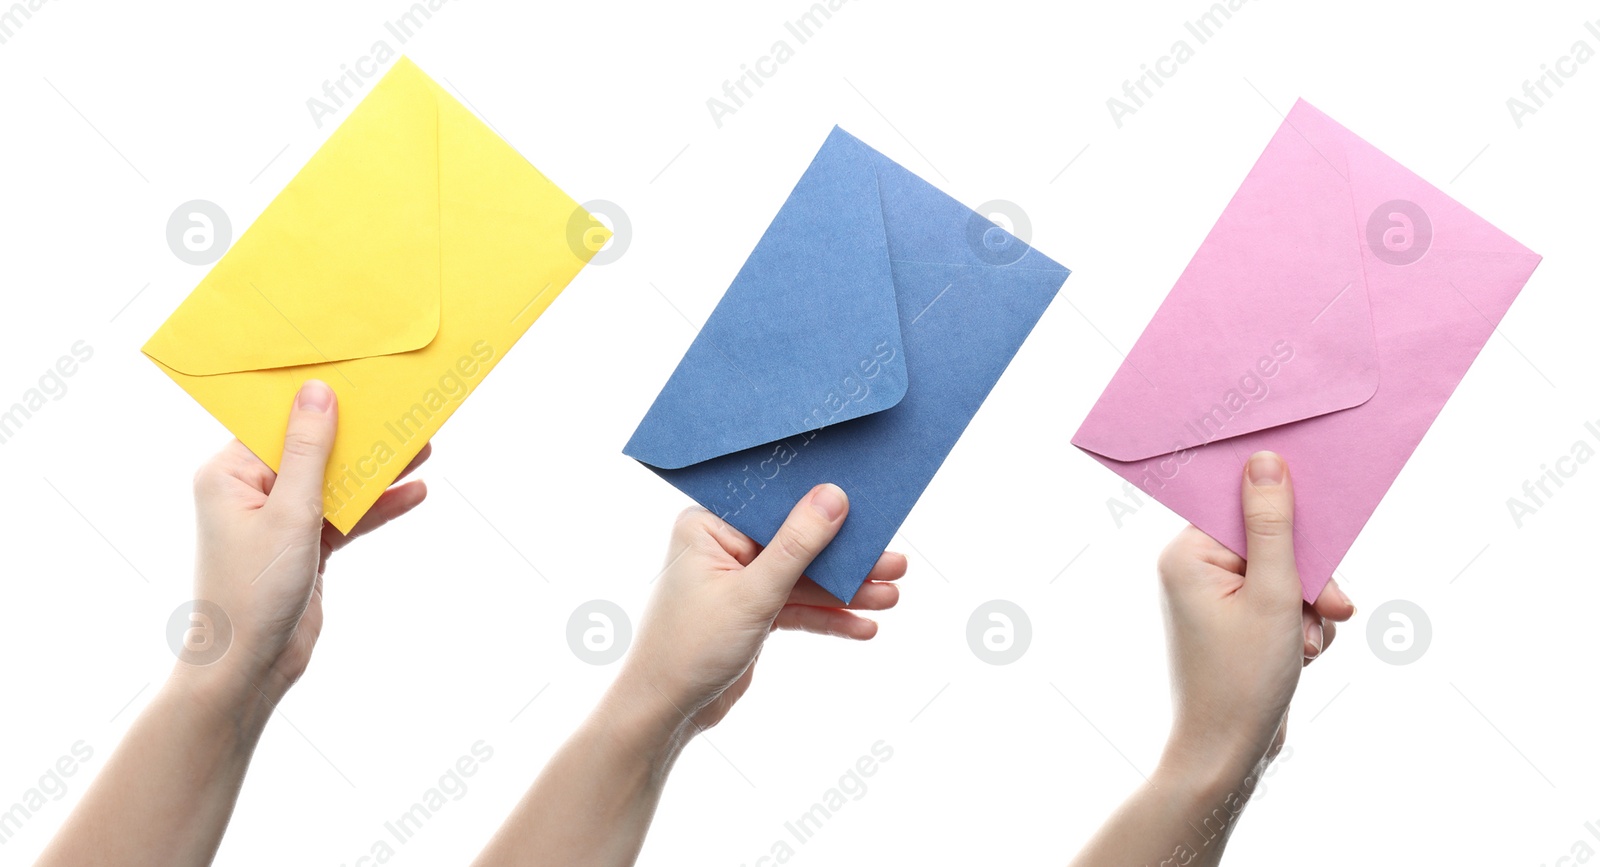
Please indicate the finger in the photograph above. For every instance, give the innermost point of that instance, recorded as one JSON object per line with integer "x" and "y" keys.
{"x": 306, "y": 446}
{"x": 1330, "y": 630}
{"x": 1312, "y": 633}
{"x": 739, "y": 546}
{"x": 891, "y": 566}
{"x": 1192, "y": 544}
{"x": 391, "y": 504}
{"x": 811, "y": 525}
{"x": 1334, "y": 603}
{"x": 696, "y": 523}
{"x": 232, "y": 470}
{"x": 825, "y": 621}
{"x": 236, "y": 461}
{"x": 1209, "y": 550}
{"x": 1218, "y": 555}
{"x": 1267, "y": 498}
{"x": 873, "y": 596}
{"x": 419, "y": 460}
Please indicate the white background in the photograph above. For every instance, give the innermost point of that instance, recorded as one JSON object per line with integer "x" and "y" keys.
{"x": 438, "y": 634}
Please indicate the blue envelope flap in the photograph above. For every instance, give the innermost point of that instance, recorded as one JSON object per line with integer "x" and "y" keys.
{"x": 928, "y": 225}
{"x": 810, "y": 317}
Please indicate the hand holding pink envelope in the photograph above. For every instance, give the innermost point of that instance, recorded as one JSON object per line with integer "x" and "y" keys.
{"x": 1328, "y": 316}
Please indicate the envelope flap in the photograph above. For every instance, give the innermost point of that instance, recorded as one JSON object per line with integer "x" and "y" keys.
{"x": 1413, "y": 233}
{"x": 810, "y": 316}
{"x": 929, "y": 226}
{"x": 344, "y": 262}
{"x": 1270, "y": 323}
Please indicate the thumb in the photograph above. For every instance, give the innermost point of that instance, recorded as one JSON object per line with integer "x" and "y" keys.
{"x": 1268, "y": 499}
{"x": 811, "y": 525}
{"x": 312, "y": 424}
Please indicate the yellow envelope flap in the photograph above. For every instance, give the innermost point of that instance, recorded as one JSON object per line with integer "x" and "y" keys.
{"x": 343, "y": 264}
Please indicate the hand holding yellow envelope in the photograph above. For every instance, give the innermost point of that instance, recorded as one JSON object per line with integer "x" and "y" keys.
{"x": 398, "y": 266}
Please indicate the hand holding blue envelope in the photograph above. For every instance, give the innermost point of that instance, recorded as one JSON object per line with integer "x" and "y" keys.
{"x": 854, "y": 346}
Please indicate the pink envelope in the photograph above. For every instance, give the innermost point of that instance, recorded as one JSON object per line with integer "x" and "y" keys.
{"x": 1328, "y": 316}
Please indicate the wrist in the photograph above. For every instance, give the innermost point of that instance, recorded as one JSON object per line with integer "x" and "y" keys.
{"x": 238, "y": 699}
{"x": 1221, "y": 748}
{"x": 638, "y": 718}
{"x": 1208, "y": 778}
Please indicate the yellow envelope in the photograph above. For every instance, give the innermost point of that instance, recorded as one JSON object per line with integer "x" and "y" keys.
{"x": 399, "y": 266}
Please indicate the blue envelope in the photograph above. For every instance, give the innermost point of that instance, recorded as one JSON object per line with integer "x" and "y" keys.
{"x": 854, "y": 346}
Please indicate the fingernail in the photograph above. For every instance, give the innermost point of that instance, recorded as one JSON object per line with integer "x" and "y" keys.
{"x": 1265, "y": 468}
{"x": 1344, "y": 597}
{"x": 829, "y": 501}
{"x": 315, "y": 395}
{"x": 1316, "y": 640}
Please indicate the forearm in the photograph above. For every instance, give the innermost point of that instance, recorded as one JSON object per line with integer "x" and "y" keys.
{"x": 1184, "y": 814}
{"x": 593, "y": 802}
{"x": 167, "y": 792}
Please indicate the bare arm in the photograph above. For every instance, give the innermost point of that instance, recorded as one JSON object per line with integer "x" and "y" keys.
{"x": 1238, "y": 636}
{"x": 166, "y": 794}
{"x": 719, "y": 598}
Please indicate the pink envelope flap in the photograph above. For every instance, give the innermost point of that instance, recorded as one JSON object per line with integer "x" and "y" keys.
{"x": 1270, "y": 323}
